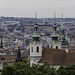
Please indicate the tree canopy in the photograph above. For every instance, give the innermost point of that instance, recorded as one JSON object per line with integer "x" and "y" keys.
{"x": 23, "y": 68}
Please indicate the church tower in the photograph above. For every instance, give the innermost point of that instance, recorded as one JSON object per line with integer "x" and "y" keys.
{"x": 55, "y": 36}
{"x": 35, "y": 46}
{"x": 1, "y": 46}
{"x": 18, "y": 58}
{"x": 62, "y": 38}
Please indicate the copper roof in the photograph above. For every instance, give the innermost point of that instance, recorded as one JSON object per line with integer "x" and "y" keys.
{"x": 57, "y": 57}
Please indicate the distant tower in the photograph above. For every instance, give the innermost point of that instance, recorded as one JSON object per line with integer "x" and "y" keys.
{"x": 55, "y": 36}
{"x": 62, "y": 38}
{"x": 35, "y": 46}
{"x": 1, "y": 43}
{"x": 18, "y": 58}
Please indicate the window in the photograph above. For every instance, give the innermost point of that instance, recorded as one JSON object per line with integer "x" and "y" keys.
{"x": 2, "y": 58}
{"x": 56, "y": 47}
{"x": 51, "y": 46}
{"x": 37, "y": 50}
{"x": 31, "y": 49}
{"x": 23, "y": 57}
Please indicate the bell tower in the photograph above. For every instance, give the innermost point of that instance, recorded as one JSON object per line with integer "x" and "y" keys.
{"x": 55, "y": 36}
{"x": 62, "y": 38}
{"x": 35, "y": 46}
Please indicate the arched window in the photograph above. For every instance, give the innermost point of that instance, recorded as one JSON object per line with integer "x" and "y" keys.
{"x": 56, "y": 47}
{"x": 37, "y": 49}
{"x": 31, "y": 49}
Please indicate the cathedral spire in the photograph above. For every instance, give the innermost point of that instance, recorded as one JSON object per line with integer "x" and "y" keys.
{"x": 54, "y": 26}
{"x": 62, "y": 34}
{"x": 35, "y": 25}
{"x": 62, "y": 26}
{"x": 36, "y": 36}
{"x": 35, "y": 18}
{"x": 54, "y": 34}
{"x": 54, "y": 18}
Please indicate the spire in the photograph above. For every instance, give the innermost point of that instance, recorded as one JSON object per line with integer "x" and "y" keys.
{"x": 35, "y": 25}
{"x": 35, "y": 18}
{"x": 36, "y": 36}
{"x": 54, "y": 35}
{"x": 62, "y": 34}
{"x": 1, "y": 46}
{"x": 18, "y": 58}
{"x": 62, "y": 26}
{"x": 54, "y": 26}
{"x": 1, "y": 43}
{"x": 18, "y": 53}
{"x": 54, "y": 18}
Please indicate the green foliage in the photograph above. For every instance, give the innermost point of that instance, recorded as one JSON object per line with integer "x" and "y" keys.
{"x": 23, "y": 68}
{"x": 8, "y": 70}
{"x": 66, "y": 70}
{"x": 5, "y": 64}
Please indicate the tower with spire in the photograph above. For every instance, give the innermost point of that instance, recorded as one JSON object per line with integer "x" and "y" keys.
{"x": 62, "y": 38}
{"x": 1, "y": 36}
{"x": 18, "y": 58}
{"x": 55, "y": 36}
{"x": 36, "y": 45}
{"x": 35, "y": 36}
{"x": 1, "y": 46}
{"x": 62, "y": 34}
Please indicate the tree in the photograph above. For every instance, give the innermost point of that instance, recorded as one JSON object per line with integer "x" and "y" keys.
{"x": 23, "y": 68}
{"x": 8, "y": 70}
{"x": 66, "y": 70}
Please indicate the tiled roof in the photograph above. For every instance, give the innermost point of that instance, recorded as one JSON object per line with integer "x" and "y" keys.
{"x": 57, "y": 57}
{"x": 70, "y": 58}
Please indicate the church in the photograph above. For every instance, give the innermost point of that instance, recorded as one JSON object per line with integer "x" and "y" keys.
{"x": 57, "y": 54}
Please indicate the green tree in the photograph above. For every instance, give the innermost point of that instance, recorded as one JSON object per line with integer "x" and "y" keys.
{"x": 23, "y": 68}
{"x": 46, "y": 69}
{"x": 8, "y": 70}
{"x": 66, "y": 70}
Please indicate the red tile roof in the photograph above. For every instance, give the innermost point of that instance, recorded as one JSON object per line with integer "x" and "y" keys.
{"x": 57, "y": 57}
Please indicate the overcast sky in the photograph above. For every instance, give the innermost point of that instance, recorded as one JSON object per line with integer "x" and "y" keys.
{"x": 44, "y": 8}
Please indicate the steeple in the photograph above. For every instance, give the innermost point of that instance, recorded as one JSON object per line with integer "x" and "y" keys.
{"x": 54, "y": 26}
{"x": 54, "y": 34}
{"x": 62, "y": 26}
{"x": 35, "y": 45}
{"x": 62, "y": 34}
{"x": 18, "y": 58}
{"x": 54, "y": 18}
{"x": 1, "y": 43}
{"x": 62, "y": 38}
{"x": 36, "y": 36}
{"x": 35, "y": 18}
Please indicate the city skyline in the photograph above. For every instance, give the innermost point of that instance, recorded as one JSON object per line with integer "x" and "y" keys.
{"x": 44, "y": 8}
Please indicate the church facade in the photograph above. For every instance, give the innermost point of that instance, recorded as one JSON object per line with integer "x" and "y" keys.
{"x": 57, "y": 54}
